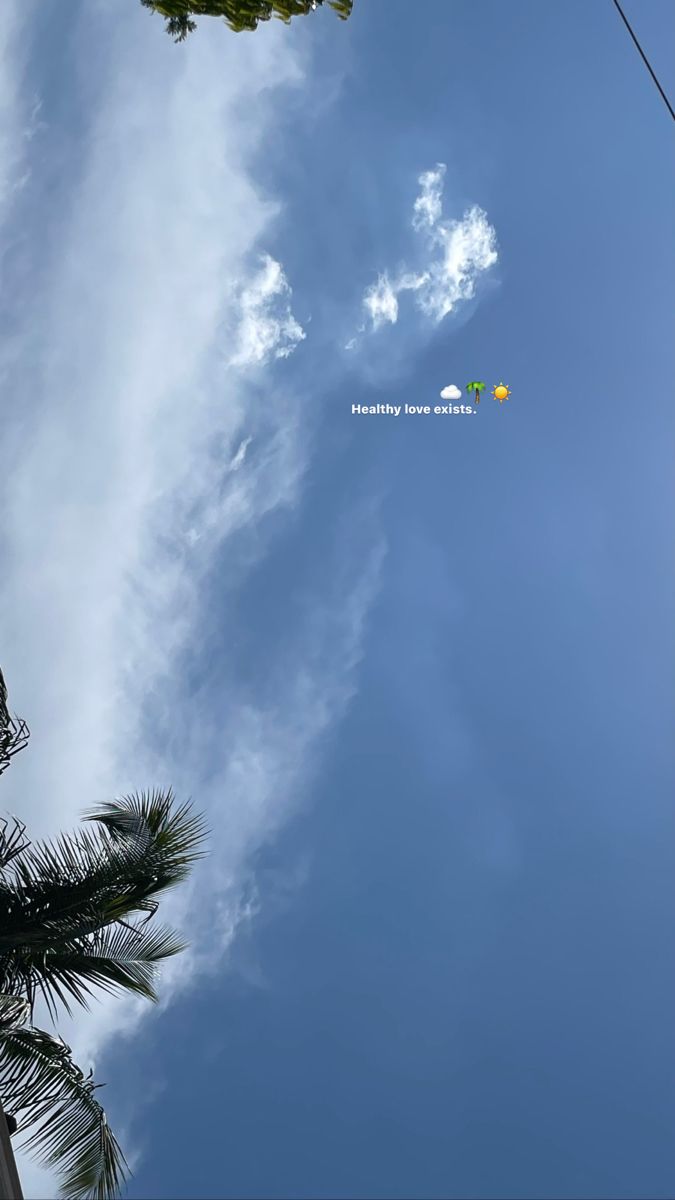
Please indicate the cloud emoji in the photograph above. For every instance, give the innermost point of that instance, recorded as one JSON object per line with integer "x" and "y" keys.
{"x": 451, "y": 392}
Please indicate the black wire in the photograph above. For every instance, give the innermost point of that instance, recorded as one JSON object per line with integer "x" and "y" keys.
{"x": 666, "y": 101}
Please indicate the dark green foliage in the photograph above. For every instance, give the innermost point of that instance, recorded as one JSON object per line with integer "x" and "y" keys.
{"x": 76, "y": 915}
{"x": 239, "y": 15}
{"x": 52, "y": 1099}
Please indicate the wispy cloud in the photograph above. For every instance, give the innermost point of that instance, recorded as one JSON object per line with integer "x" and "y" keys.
{"x": 140, "y": 461}
{"x": 381, "y": 301}
{"x": 456, "y": 253}
{"x": 241, "y": 454}
{"x": 428, "y": 206}
{"x": 15, "y": 109}
{"x": 266, "y": 327}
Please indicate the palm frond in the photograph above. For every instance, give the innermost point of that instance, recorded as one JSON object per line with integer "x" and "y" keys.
{"x": 117, "y": 958}
{"x": 68, "y": 888}
{"x": 70, "y": 909}
{"x": 72, "y": 886}
{"x": 14, "y": 1010}
{"x": 56, "y": 1108}
{"x": 14, "y": 733}
{"x": 13, "y": 840}
{"x": 172, "y": 834}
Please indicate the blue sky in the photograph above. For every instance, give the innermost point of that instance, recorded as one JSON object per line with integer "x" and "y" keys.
{"x": 417, "y": 670}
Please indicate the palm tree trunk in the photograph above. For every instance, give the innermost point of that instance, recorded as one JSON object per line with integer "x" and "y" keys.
{"x": 10, "y": 1187}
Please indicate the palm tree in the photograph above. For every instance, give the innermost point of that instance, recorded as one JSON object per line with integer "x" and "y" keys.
{"x": 476, "y": 387}
{"x": 75, "y": 916}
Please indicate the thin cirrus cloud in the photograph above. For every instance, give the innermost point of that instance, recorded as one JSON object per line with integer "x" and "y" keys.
{"x": 14, "y": 102}
{"x": 451, "y": 392}
{"x": 456, "y": 252}
{"x": 140, "y": 464}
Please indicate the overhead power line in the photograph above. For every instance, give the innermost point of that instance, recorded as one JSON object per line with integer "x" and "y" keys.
{"x": 646, "y": 61}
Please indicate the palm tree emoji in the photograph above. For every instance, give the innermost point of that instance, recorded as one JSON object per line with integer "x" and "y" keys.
{"x": 476, "y": 387}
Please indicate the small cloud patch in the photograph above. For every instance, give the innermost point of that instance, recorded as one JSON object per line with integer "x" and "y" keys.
{"x": 267, "y": 327}
{"x": 457, "y": 253}
{"x": 380, "y": 301}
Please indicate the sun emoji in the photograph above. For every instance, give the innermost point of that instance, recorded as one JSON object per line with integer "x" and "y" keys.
{"x": 501, "y": 392}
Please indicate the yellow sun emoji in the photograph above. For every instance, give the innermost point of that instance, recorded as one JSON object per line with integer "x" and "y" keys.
{"x": 501, "y": 392}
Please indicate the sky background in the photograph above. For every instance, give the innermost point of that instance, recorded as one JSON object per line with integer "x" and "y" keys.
{"x": 418, "y": 671}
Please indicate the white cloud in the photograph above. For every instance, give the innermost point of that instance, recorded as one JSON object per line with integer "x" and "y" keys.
{"x": 240, "y": 456}
{"x": 456, "y": 252}
{"x": 451, "y": 392}
{"x": 16, "y": 118}
{"x": 429, "y": 204}
{"x": 266, "y": 327}
{"x": 134, "y": 458}
{"x": 380, "y": 302}
{"x": 467, "y": 248}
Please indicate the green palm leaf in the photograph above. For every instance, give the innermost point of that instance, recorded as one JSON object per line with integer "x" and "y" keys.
{"x": 115, "y": 959}
{"x": 74, "y": 885}
{"x": 65, "y": 906}
{"x": 13, "y": 1011}
{"x": 75, "y": 917}
{"x": 13, "y": 842}
{"x": 56, "y": 1108}
{"x": 119, "y": 958}
{"x": 171, "y": 832}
